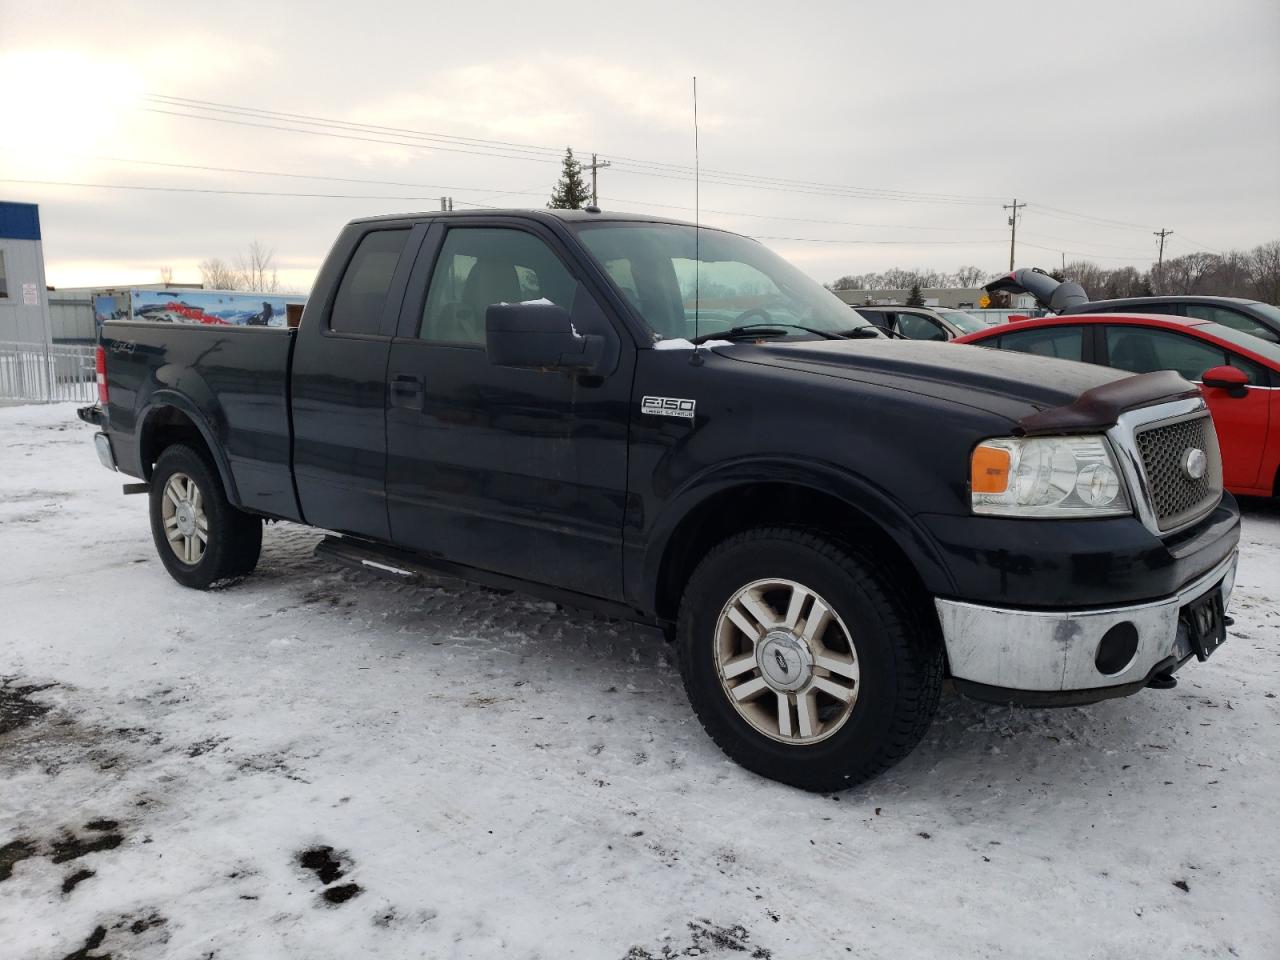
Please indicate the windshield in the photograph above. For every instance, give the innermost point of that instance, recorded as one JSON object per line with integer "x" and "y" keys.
{"x": 966, "y": 322}
{"x": 672, "y": 274}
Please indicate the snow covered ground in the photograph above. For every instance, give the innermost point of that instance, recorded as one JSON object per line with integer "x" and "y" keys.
{"x": 182, "y": 772}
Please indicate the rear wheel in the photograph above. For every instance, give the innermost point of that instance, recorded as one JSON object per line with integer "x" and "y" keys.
{"x": 801, "y": 663}
{"x": 200, "y": 537}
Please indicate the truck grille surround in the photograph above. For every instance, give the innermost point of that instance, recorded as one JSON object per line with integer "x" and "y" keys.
{"x": 1177, "y": 496}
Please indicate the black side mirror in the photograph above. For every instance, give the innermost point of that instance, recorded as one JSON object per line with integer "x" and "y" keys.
{"x": 539, "y": 335}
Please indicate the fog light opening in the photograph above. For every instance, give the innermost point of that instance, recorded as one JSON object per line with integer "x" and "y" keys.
{"x": 1116, "y": 650}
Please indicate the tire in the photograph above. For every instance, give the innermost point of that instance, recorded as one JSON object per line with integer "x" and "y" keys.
{"x": 208, "y": 540}
{"x": 886, "y": 664}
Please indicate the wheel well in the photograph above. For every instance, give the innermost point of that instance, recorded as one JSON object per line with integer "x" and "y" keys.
{"x": 754, "y": 505}
{"x": 164, "y": 428}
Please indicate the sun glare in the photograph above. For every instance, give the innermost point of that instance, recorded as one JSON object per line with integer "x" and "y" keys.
{"x": 73, "y": 105}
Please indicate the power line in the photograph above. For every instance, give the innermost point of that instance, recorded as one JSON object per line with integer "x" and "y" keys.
{"x": 356, "y": 131}
{"x": 506, "y": 145}
{"x": 210, "y": 190}
{"x": 1078, "y": 253}
{"x": 496, "y": 192}
{"x": 358, "y": 196}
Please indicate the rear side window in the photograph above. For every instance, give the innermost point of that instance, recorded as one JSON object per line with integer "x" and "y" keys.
{"x": 1229, "y": 318}
{"x": 362, "y": 294}
{"x": 1065, "y": 343}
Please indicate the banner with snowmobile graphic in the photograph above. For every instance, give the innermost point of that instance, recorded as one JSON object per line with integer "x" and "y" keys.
{"x": 211, "y": 307}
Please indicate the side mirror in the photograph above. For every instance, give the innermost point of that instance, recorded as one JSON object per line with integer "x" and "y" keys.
{"x": 1226, "y": 377}
{"x": 539, "y": 335}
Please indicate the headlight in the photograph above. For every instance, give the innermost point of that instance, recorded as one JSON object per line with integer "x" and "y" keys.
{"x": 1046, "y": 477}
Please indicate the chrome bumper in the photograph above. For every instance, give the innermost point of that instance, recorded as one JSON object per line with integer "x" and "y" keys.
{"x": 102, "y": 443}
{"x": 1056, "y": 650}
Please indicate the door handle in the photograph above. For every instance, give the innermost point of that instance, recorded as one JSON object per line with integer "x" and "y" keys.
{"x": 406, "y": 393}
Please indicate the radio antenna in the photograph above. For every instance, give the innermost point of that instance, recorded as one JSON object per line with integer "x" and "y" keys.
{"x": 697, "y": 219}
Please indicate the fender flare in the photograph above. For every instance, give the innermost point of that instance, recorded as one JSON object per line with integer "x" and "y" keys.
{"x": 862, "y": 496}
{"x": 163, "y": 398}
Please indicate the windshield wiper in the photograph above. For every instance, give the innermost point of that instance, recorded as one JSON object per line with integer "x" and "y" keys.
{"x": 765, "y": 330}
{"x": 872, "y": 332}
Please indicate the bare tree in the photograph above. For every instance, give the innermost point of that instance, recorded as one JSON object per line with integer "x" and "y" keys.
{"x": 1264, "y": 271}
{"x": 257, "y": 269}
{"x": 1187, "y": 273}
{"x": 217, "y": 274}
{"x": 847, "y": 282}
{"x": 970, "y": 276}
{"x": 166, "y": 276}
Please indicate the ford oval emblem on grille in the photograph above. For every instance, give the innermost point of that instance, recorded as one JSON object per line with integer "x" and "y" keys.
{"x": 1194, "y": 463}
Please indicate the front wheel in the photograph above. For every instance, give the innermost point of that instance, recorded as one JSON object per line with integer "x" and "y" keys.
{"x": 802, "y": 663}
{"x": 200, "y": 537}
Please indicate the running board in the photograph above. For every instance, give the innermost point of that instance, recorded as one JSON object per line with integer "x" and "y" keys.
{"x": 404, "y": 567}
{"x": 359, "y": 557}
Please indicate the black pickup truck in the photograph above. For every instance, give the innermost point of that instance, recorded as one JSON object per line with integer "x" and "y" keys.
{"x": 673, "y": 425}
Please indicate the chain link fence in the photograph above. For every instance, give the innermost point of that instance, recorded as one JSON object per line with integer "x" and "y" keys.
{"x": 34, "y": 373}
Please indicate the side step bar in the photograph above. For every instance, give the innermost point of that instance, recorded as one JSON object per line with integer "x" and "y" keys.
{"x": 404, "y": 567}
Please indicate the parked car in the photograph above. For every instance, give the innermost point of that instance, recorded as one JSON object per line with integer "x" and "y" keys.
{"x": 825, "y": 522}
{"x": 1248, "y": 316}
{"x": 922, "y": 323}
{"x": 1239, "y": 375}
{"x": 1068, "y": 298}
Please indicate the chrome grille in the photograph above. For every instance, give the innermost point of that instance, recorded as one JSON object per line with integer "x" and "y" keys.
{"x": 1176, "y": 497}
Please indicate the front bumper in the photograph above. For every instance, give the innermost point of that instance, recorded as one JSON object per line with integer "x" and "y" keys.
{"x": 1041, "y": 652}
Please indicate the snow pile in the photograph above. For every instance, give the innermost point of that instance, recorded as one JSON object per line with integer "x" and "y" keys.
{"x": 316, "y": 763}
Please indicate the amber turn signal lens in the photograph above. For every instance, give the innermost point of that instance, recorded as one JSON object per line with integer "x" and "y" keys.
{"x": 989, "y": 470}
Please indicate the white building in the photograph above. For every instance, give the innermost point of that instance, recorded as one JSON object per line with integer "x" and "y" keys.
{"x": 24, "y": 305}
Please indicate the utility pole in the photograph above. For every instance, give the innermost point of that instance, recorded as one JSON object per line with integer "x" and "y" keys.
{"x": 446, "y": 204}
{"x": 593, "y": 166}
{"x": 1013, "y": 224}
{"x": 1161, "y": 233}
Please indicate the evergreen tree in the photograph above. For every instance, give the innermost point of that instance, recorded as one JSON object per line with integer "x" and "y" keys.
{"x": 915, "y": 299}
{"x": 572, "y": 192}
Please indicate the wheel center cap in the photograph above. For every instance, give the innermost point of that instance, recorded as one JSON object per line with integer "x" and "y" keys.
{"x": 784, "y": 660}
{"x": 186, "y": 519}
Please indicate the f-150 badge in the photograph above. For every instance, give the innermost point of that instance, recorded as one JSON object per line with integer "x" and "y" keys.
{"x": 668, "y": 407}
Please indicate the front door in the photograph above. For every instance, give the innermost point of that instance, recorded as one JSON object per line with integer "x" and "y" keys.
{"x": 520, "y": 472}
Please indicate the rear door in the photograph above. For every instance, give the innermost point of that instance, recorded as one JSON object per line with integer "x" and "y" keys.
{"x": 521, "y": 472}
{"x": 1241, "y": 422}
{"x": 338, "y": 385}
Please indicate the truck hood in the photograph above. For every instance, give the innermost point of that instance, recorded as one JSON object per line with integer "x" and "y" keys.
{"x": 1008, "y": 384}
{"x": 1053, "y": 295}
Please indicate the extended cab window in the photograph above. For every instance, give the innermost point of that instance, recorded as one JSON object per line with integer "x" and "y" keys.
{"x": 1065, "y": 343}
{"x": 481, "y": 266}
{"x": 357, "y": 307}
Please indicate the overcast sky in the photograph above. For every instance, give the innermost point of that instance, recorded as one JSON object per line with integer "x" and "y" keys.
{"x": 1111, "y": 119}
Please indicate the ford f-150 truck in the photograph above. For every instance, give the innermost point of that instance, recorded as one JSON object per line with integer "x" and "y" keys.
{"x": 670, "y": 424}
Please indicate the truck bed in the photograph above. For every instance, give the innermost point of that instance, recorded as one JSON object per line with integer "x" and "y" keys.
{"x": 231, "y": 381}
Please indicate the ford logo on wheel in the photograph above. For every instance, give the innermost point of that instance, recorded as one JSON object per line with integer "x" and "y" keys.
{"x": 1194, "y": 463}
{"x": 782, "y": 662}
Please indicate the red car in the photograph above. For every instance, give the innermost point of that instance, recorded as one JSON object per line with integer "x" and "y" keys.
{"x": 1238, "y": 374}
